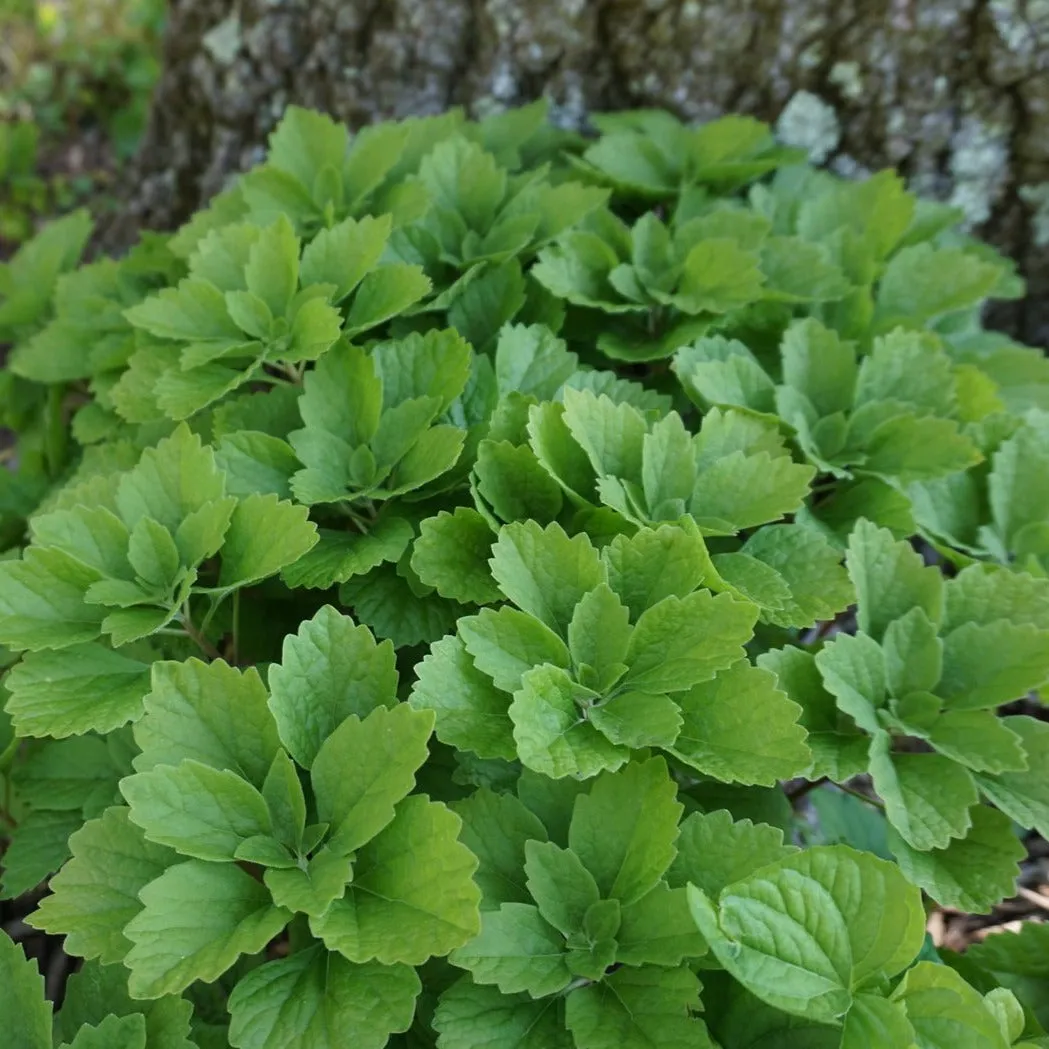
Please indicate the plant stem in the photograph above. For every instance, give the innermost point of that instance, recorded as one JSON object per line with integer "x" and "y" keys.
{"x": 192, "y": 632}
{"x": 235, "y": 638}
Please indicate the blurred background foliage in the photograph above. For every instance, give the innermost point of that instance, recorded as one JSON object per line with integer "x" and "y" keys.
{"x": 75, "y": 82}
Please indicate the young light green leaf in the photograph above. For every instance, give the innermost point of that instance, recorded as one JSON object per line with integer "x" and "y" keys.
{"x": 196, "y": 919}
{"x": 624, "y": 829}
{"x": 412, "y": 894}
{"x": 451, "y": 555}
{"x": 927, "y": 797}
{"x": 561, "y": 886}
{"x": 544, "y": 572}
{"x": 740, "y": 728}
{"x": 364, "y": 768}
{"x": 207, "y": 712}
{"x": 195, "y": 809}
{"x": 496, "y": 829}
{"x": 680, "y": 642}
{"x": 471, "y": 712}
{"x": 505, "y": 644}
{"x": 331, "y": 668}
{"x": 265, "y": 534}
{"x": 87, "y": 688}
{"x": 550, "y": 731}
{"x": 96, "y": 894}
{"x": 517, "y": 951}
{"x": 973, "y": 873}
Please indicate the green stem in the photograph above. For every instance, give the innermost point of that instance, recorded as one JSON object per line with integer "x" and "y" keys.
{"x": 192, "y": 632}
{"x": 235, "y": 643}
{"x": 876, "y": 802}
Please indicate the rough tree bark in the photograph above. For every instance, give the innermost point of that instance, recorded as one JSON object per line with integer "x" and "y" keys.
{"x": 955, "y": 93}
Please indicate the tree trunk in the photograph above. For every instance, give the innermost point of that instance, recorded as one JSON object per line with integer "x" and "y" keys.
{"x": 955, "y": 93}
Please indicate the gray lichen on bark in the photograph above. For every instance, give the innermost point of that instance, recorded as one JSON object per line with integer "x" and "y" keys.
{"x": 955, "y": 93}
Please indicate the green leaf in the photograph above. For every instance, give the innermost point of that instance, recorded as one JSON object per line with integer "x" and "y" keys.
{"x": 256, "y": 462}
{"x": 986, "y": 665}
{"x": 945, "y": 1011}
{"x": 544, "y": 572}
{"x": 819, "y": 587}
{"x": 265, "y": 535}
{"x": 748, "y": 490}
{"x": 713, "y": 851}
{"x": 22, "y": 1000}
{"x": 907, "y": 448}
{"x": 805, "y": 933}
{"x": 599, "y": 631}
{"x": 68, "y": 775}
{"x": 979, "y": 740}
{"x": 87, "y": 688}
{"x": 197, "y": 810}
{"x": 42, "y": 601}
{"x": 36, "y": 848}
{"x": 550, "y": 731}
{"x": 153, "y": 555}
{"x": 338, "y": 556}
{"x": 625, "y": 828}
{"x": 331, "y": 668}
{"x": 394, "y": 608}
{"x": 820, "y": 365}
{"x": 506, "y": 644}
{"x": 1018, "y": 961}
{"x": 638, "y": 719}
{"x": 873, "y": 1020}
{"x": 561, "y": 886}
{"x": 197, "y": 918}
{"x": 913, "y": 654}
{"x": 974, "y": 873}
{"x": 194, "y": 311}
{"x": 312, "y": 889}
{"x": 383, "y": 293}
{"x": 512, "y": 481}
{"x": 364, "y": 768}
{"x": 272, "y": 270}
{"x": 984, "y": 594}
{"x": 853, "y": 671}
{"x": 114, "y": 1032}
{"x": 740, "y": 728}
{"x": 532, "y": 360}
{"x": 451, "y": 555}
{"x": 96, "y": 894}
{"x": 922, "y": 282}
{"x": 343, "y": 254}
{"x": 312, "y": 996}
{"x": 655, "y": 563}
{"x": 473, "y": 1017}
{"x": 658, "y": 930}
{"x": 285, "y": 800}
{"x": 96, "y": 991}
{"x": 1024, "y": 796}
{"x": 927, "y": 797}
{"x": 680, "y": 642}
{"x": 472, "y": 714}
{"x": 517, "y": 951}
{"x": 718, "y": 276}
{"x": 890, "y": 579}
{"x": 170, "y": 482}
{"x": 412, "y": 894}
{"x": 638, "y": 1009}
{"x": 496, "y": 829}
{"x": 207, "y": 712}
{"x": 612, "y": 435}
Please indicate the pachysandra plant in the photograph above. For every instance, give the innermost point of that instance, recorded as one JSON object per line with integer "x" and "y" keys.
{"x": 421, "y": 572}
